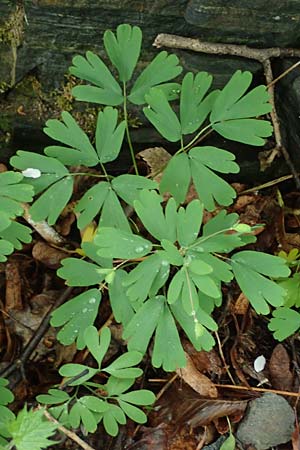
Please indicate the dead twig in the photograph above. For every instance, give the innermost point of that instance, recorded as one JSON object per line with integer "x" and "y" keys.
{"x": 256, "y": 389}
{"x": 68, "y": 433}
{"x": 42, "y": 228}
{"x": 264, "y": 56}
{"x": 30, "y": 347}
{"x": 173, "y": 41}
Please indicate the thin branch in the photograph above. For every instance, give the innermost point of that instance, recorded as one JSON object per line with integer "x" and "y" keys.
{"x": 68, "y": 433}
{"x": 256, "y": 389}
{"x": 173, "y": 41}
{"x": 43, "y": 327}
{"x": 48, "y": 233}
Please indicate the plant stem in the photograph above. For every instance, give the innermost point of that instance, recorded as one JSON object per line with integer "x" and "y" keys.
{"x": 189, "y": 145}
{"x": 104, "y": 171}
{"x": 127, "y": 130}
{"x": 74, "y": 174}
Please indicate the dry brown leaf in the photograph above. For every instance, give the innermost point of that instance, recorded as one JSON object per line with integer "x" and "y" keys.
{"x": 295, "y": 435}
{"x": 156, "y": 158}
{"x": 199, "y": 382}
{"x": 241, "y": 305}
{"x": 242, "y": 201}
{"x": 208, "y": 362}
{"x": 47, "y": 255}
{"x": 13, "y": 291}
{"x": 279, "y": 368}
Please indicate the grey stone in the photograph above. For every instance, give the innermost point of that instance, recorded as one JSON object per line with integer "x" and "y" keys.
{"x": 269, "y": 421}
{"x": 215, "y": 445}
{"x": 244, "y": 22}
{"x": 288, "y": 101}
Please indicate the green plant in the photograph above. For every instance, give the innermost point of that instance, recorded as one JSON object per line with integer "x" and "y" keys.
{"x": 165, "y": 269}
{"x": 29, "y": 430}
{"x": 286, "y": 318}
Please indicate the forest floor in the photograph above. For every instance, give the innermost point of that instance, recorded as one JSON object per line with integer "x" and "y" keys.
{"x": 256, "y": 378}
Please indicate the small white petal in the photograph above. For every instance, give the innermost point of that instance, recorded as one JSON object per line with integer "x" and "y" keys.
{"x": 259, "y": 363}
{"x": 31, "y": 173}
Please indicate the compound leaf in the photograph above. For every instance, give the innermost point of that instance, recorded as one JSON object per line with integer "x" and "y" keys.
{"x": 51, "y": 202}
{"x": 140, "y": 281}
{"x": 209, "y": 186}
{"x": 163, "y": 67}
{"x": 176, "y": 177}
{"x": 77, "y": 272}
{"x": 91, "y": 203}
{"x": 30, "y": 430}
{"x": 140, "y": 397}
{"x": 53, "y": 397}
{"x": 124, "y": 49}
{"x": 119, "y": 301}
{"x": 171, "y": 253}
{"x": 79, "y": 150}
{"x": 91, "y": 68}
{"x": 129, "y": 187}
{"x": 6, "y": 396}
{"x": 247, "y": 131}
{"x": 12, "y": 192}
{"x": 232, "y": 111}
{"x": 97, "y": 345}
{"x": 109, "y": 135}
{"x": 249, "y": 267}
{"x": 79, "y": 372}
{"x": 51, "y": 169}
{"x": 111, "y": 418}
{"x": 269, "y": 265}
{"x": 122, "y": 366}
{"x": 189, "y": 221}
{"x": 150, "y": 211}
{"x": 16, "y": 234}
{"x": 139, "y": 330}
{"x": 167, "y": 352}
{"x": 132, "y": 412}
{"x": 292, "y": 287}
{"x": 75, "y": 316}
{"x": 116, "y": 386}
{"x": 202, "y": 340}
{"x": 6, "y": 248}
{"x": 233, "y": 104}
{"x": 193, "y": 111}
{"x": 112, "y": 214}
{"x": 284, "y": 323}
{"x": 115, "y": 243}
{"x": 162, "y": 116}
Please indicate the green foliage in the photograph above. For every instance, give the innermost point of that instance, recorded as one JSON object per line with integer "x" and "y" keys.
{"x": 229, "y": 443}
{"x": 31, "y": 431}
{"x": 249, "y": 269}
{"x": 13, "y": 192}
{"x": 232, "y": 111}
{"x": 160, "y": 263}
{"x": 90, "y": 410}
{"x": 284, "y": 323}
{"x": 6, "y": 416}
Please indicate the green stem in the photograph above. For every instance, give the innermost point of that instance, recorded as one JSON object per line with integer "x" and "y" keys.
{"x": 189, "y": 145}
{"x": 206, "y": 238}
{"x": 104, "y": 171}
{"x": 74, "y": 174}
{"x": 127, "y": 130}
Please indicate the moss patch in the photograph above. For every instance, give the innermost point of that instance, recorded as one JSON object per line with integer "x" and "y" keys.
{"x": 11, "y": 31}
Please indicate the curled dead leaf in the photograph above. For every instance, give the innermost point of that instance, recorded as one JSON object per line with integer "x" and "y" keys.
{"x": 199, "y": 382}
{"x": 47, "y": 255}
{"x": 279, "y": 368}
